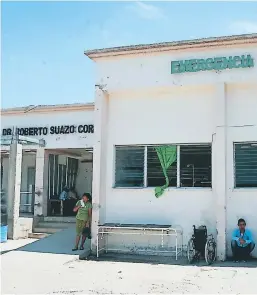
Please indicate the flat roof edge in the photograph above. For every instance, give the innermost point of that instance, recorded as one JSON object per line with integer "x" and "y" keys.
{"x": 122, "y": 50}
{"x": 46, "y": 108}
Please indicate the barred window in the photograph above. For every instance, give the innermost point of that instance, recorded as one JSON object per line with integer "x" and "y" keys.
{"x": 129, "y": 166}
{"x": 155, "y": 176}
{"x": 245, "y": 165}
{"x": 141, "y": 166}
{"x": 61, "y": 175}
{"x": 195, "y": 166}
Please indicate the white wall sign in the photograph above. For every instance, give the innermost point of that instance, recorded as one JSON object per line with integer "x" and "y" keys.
{"x": 54, "y": 130}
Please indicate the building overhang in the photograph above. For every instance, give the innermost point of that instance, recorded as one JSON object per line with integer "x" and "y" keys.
{"x": 48, "y": 108}
{"x": 176, "y": 45}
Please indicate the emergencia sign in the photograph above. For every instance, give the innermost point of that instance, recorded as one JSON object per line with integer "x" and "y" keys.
{"x": 213, "y": 63}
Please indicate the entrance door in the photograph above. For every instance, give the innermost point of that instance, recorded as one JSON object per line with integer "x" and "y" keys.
{"x": 27, "y": 197}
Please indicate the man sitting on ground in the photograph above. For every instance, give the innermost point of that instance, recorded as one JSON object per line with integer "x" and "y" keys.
{"x": 242, "y": 242}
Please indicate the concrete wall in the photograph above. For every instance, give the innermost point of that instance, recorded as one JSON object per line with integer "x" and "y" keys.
{"x": 75, "y": 140}
{"x": 25, "y": 227}
{"x": 242, "y": 118}
{"x": 148, "y": 105}
{"x": 152, "y": 70}
{"x": 174, "y": 116}
{"x": 84, "y": 178}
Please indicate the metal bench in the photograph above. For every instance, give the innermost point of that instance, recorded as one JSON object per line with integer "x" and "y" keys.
{"x": 162, "y": 231}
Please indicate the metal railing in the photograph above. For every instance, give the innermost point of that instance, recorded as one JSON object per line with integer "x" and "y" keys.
{"x": 27, "y": 200}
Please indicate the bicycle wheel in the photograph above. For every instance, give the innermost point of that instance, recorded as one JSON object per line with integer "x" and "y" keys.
{"x": 191, "y": 250}
{"x": 210, "y": 251}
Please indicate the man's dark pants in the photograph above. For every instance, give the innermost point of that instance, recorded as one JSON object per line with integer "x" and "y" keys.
{"x": 241, "y": 253}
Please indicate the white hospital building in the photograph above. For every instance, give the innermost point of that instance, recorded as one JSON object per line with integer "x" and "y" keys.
{"x": 195, "y": 100}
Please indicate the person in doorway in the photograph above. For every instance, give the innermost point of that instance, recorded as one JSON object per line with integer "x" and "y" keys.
{"x": 83, "y": 218}
{"x": 64, "y": 194}
{"x": 242, "y": 242}
{"x": 72, "y": 194}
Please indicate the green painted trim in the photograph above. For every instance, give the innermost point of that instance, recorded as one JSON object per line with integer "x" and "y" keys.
{"x": 208, "y": 64}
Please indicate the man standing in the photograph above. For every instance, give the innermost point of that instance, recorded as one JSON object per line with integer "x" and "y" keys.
{"x": 242, "y": 242}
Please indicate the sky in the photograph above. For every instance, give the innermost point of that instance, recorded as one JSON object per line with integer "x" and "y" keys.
{"x": 43, "y": 42}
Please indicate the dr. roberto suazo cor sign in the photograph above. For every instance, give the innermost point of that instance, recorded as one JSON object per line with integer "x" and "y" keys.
{"x": 213, "y": 63}
{"x": 54, "y": 130}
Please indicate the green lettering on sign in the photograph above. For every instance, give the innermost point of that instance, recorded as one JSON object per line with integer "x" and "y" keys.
{"x": 208, "y": 64}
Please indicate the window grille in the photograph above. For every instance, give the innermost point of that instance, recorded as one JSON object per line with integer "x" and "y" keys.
{"x": 155, "y": 172}
{"x": 129, "y": 166}
{"x": 245, "y": 165}
{"x": 136, "y": 168}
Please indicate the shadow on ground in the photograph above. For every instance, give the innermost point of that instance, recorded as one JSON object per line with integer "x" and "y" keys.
{"x": 62, "y": 243}
{"x": 150, "y": 259}
{"x": 58, "y": 243}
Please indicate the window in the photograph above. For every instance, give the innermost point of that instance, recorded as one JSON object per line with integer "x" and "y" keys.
{"x": 195, "y": 166}
{"x": 155, "y": 175}
{"x": 246, "y": 165}
{"x": 140, "y": 166}
{"x": 129, "y": 167}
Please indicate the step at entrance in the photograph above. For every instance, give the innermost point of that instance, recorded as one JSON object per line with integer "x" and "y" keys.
{"x": 50, "y": 225}
{"x": 38, "y": 235}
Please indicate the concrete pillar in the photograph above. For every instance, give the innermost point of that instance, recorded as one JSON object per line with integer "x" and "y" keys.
{"x": 99, "y": 162}
{"x": 220, "y": 168}
{"x": 14, "y": 187}
{"x": 39, "y": 182}
{"x": 46, "y": 182}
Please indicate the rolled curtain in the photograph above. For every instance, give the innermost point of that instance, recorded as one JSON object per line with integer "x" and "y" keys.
{"x": 167, "y": 155}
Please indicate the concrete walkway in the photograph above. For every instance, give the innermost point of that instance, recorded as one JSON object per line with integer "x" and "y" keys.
{"x": 48, "y": 266}
{"x": 58, "y": 243}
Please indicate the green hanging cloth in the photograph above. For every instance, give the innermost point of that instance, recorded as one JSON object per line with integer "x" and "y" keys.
{"x": 167, "y": 155}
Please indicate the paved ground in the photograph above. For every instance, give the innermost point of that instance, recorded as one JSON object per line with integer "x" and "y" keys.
{"x": 26, "y": 271}
{"x": 58, "y": 243}
{"x": 15, "y": 244}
